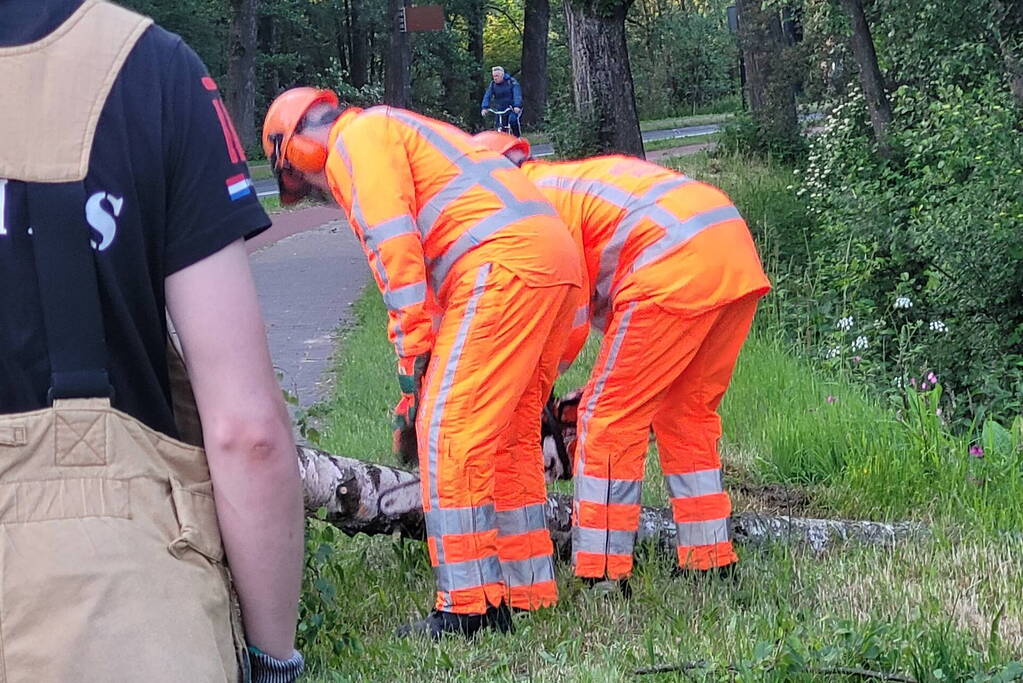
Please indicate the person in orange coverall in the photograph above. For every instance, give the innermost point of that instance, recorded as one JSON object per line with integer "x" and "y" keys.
{"x": 453, "y": 231}
{"x": 674, "y": 278}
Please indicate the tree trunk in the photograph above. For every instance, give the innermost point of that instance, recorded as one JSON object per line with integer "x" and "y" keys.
{"x": 241, "y": 70}
{"x": 770, "y": 88}
{"x": 601, "y": 77}
{"x": 536, "y": 26}
{"x": 361, "y": 497}
{"x": 397, "y": 74}
{"x": 476, "y": 18}
{"x": 1009, "y": 16}
{"x": 870, "y": 73}
{"x": 359, "y": 47}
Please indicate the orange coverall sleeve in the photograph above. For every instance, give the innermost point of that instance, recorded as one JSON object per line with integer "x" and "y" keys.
{"x": 383, "y": 216}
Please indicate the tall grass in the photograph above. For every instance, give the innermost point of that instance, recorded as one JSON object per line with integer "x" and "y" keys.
{"x": 945, "y": 607}
{"x": 947, "y": 603}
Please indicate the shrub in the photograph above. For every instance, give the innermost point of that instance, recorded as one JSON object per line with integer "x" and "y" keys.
{"x": 921, "y": 250}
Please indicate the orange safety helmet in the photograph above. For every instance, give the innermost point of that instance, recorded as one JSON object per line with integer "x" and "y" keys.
{"x": 290, "y": 153}
{"x": 502, "y": 143}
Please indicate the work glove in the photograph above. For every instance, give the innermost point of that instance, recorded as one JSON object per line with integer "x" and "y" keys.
{"x": 267, "y": 669}
{"x": 483, "y": 113}
{"x": 411, "y": 370}
{"x": 405, "y": 441}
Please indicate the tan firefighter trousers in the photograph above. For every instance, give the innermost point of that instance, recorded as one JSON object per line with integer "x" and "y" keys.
{"x": 111, "y": 560}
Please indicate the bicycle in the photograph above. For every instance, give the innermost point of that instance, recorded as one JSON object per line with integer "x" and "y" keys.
{"x": 502, "y": 120}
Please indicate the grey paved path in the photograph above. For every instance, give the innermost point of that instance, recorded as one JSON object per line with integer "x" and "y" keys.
{"x": 309, "y": 268}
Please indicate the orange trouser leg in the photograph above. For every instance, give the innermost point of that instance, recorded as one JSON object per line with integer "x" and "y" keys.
{"x": 688, "y": 428}
{"x": 488, "y": 345}
{"x": 523, "y": 541}
{"x": 643, "y": 351}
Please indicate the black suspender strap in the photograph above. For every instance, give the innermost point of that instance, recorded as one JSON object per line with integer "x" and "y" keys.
{"x": 68, "y": 290}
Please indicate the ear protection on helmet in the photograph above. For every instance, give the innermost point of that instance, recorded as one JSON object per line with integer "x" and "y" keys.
{"x": 306, "y": 155}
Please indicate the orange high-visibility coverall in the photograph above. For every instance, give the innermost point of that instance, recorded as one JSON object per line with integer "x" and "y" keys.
{"x": 454, "y": 229}
{"x": 674, "y": 278}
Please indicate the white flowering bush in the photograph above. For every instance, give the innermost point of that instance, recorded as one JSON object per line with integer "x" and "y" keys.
{"x": 925, "y": 242}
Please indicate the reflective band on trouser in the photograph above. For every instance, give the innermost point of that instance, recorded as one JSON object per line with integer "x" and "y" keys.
{"x": 700, "y": 508}
{"x": 692, "y": 484}
{"x": 698, "y": 548}
{"x": 600, "y": 553}
{"x": 598, "y": 386}
{"x": 462, "y": 541}
{"x": 606, "y": 511}
{"x": 477, "y": 428}
{"x": 688, "y": 430}
{"x": 527, "y": 556}
{"x": 457, "y": 576}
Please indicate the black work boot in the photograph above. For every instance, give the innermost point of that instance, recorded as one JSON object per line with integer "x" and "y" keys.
{"x": 437, "y": 623}
{"x": 607, "y": 587}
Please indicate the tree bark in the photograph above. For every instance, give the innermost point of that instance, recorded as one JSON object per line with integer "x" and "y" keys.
{"x": 871, "y": 80}
{"x": 770, "y": 88}
{"x": 601, "y": 77}
{"x": 361, "y": 497}
{"x": 1009, "y": 18}
{"x": 398, "y": 71}
{"x": 536, "y": 27}
{"x": 241, "y": 70}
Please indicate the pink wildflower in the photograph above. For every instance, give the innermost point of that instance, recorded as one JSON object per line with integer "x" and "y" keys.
{"x": 932, "y": 378}
{"x": 831, "y": 399}
{"x": 856, "y": 359}
{"x": 924, "y": 385}
{"x": 976, "y": 451}
{"x": 912, "y": 382}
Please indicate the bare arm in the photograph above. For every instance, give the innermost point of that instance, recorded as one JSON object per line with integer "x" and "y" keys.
{"x": 248, "y": 439}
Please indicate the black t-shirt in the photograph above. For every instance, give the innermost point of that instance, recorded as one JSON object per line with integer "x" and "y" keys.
{"x": 167, "y": 186}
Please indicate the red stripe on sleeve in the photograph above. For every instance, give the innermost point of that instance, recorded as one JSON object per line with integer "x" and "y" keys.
{"x": 222, "y": 115}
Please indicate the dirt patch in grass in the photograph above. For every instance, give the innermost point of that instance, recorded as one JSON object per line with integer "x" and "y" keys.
{"x": 681, "y": 151}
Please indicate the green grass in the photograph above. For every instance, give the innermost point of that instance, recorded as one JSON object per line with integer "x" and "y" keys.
{"x": 271, "y": 203}
{"x": 260, "y": 170}
{"x": 948, "y": 603}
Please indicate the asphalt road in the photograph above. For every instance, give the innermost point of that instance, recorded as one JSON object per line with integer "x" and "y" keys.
{"x": 268, "y": 188}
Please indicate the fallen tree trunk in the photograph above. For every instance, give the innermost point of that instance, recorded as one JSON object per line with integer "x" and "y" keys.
{"x": 369, "y": 498}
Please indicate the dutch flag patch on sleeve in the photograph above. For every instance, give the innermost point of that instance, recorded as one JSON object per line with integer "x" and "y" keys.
{"x": 238, "y": 186}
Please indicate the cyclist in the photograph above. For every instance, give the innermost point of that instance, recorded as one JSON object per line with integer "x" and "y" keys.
{"x": 503, "y": 93}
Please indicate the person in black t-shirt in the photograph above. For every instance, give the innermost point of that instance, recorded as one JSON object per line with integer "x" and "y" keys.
{"x": 169, "y": 204}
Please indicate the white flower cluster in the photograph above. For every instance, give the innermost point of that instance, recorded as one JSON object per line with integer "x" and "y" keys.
{"x": 845, "y": 324}
{"x": 832, "y": 352}
{"x": 903, "y": 302}
{"x": 938, "y": 326}
{"x": 860, "y": 343}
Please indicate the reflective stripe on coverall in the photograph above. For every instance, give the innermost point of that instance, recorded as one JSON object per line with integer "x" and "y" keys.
{"x": 456, "y": 232}
{"x": 673, "y": 277}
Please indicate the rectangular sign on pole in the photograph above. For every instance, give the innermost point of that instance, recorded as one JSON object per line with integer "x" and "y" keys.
{"x": 423, "y": 18}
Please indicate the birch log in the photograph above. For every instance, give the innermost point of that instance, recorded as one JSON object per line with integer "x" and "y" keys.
{"x": 369, "y": 498}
